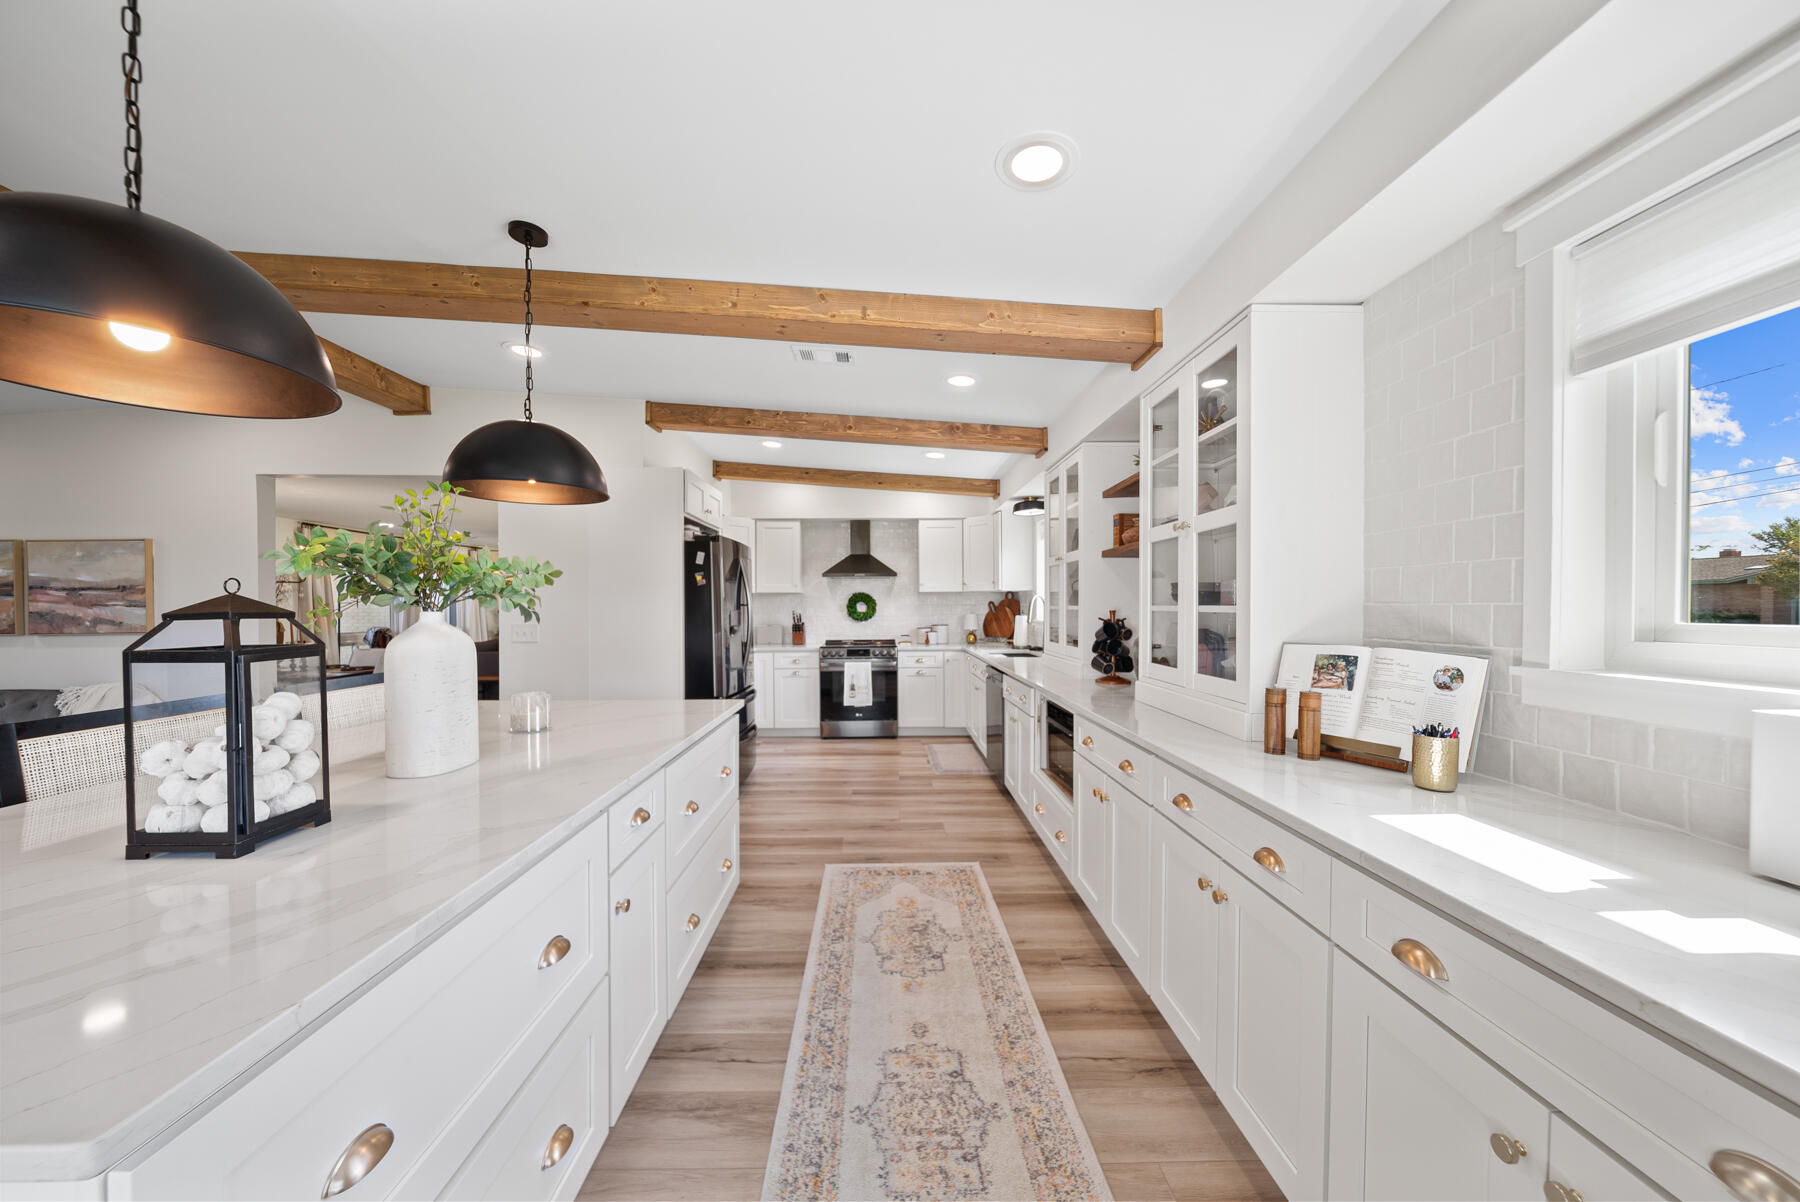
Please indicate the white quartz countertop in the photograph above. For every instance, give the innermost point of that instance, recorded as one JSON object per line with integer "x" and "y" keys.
{"x": 1704, "y": 985}
{"x": 132, "y": 990}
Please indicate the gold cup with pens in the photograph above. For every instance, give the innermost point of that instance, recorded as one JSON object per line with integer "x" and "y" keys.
{"x": 1434, "y": 754}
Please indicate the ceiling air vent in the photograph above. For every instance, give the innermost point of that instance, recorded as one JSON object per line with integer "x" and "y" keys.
{"x": 830, "y": 356}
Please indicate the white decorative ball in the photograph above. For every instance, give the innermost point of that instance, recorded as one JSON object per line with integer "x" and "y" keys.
{"x": 266, "y": 723}
{"x": 301, "y": 795}
{"x": 173, "y": 820}
{"x": 178, "y": 790}
{"x": 215, "y": 820}
{"x": 272, "y": 784}
{"x": 206, "y": 758}
{"x": 297, "y": 737}
{"x": 304, "y": 765}
{"x": 160, "y": 759}
{"x": 269, "y": 759}
{"x": 212, "y": 791}
{"x": 288, "y": 703}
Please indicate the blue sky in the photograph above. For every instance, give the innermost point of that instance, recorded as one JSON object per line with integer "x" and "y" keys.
{"x": 1744, "y": 423}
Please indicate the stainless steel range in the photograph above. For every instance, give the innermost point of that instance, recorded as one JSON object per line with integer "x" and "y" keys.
{"x": 873, "y": 713}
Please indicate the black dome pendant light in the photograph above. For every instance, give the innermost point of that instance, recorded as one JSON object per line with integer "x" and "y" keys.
{"x": 525, "y": 460}
{"x": 100, "y": 300}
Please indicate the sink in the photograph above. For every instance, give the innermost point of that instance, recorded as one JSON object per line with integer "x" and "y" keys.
{"x": 1020, "y": 654}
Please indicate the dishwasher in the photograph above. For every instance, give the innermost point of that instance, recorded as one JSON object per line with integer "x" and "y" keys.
{"x": 996, "y": 724}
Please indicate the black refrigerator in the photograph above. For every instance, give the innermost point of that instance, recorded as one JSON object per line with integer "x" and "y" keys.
{"x": 716, "y": 643}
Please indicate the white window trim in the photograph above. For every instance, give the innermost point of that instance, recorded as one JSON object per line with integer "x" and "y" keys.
{"x": 1590, "y": 621}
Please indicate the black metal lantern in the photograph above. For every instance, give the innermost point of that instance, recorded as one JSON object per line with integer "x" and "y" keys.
{"x": 222, "y": 779}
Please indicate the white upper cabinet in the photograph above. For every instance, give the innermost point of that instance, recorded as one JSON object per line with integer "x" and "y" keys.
{"x": 941, "y": 555}
{"x": 979, "y": 570}
{"x": 1015, "y": 552}
{"x": 776, "y": 559}
{"x": 1251, "y": 483}
{"x": 702, "y": 499}
{"x": 1086, "y": 576}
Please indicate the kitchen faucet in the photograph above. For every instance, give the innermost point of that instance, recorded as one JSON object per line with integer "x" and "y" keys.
{"x": 1022, "y": 634}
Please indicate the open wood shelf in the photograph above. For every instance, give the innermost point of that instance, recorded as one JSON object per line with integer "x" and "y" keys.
{"x": 1128, "y": 487}
{"x": 1129, "y": 551}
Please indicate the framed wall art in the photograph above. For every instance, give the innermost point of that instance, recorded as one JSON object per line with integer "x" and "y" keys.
{"x": 88, "y": 586}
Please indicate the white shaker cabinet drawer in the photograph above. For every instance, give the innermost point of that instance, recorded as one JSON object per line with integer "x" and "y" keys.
{"x": 1580, "y": 1170}
{"x": 921, "y": 659}
{"x": 796, "y": 659}
{"x": 1658, "y": 1108}
{"x": 1131, "y": 766}
{"x": 407, "y": 1056}
{"x": 632, "y": 820}
{"x": 697, "y": 898}
{"x": 700, "y": 785}
{"x": 549, "y": 1134}
{"x": 1287, "y": 867}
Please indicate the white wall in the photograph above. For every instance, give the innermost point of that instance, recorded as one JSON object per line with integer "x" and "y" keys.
{"x": 201, "y": 488}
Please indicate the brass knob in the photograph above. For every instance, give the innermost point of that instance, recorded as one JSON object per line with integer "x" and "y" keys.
{"x": 640, "y": 816}
{"x": 1039, "y": 807}
{"x": 622, "y": 907}
{"x": 725, "y": 864}
{"x": 554, "y": 951}
{"x": 1087, "y": 740}
{"x": 1220, "y": 897}
{"x": 1268, "y": 858}
{"x": 1420, "y": 959}
{"x": 1753, "y": 1178}
{"x": 1125, "y": 767}
{"x": 1508, "y": 1149}
{"x": 1556, "y": 1191}
{"x": 1183, "y": 802}
{"x": 693, "y": 922}
{"x": 359, "y": 1159}
{"x": 1061, "y": 838}
{"x": 691, "y": 808}
{"x": 725, "y": 771}
{"x": 560, "y": 1142}
{"x": 1202, "y": 882}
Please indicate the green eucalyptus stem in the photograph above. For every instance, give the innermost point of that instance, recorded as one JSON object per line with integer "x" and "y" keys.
{"x": 423, "y": 561}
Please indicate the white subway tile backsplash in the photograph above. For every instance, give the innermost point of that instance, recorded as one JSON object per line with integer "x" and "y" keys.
{"x": 1445, "y": 549}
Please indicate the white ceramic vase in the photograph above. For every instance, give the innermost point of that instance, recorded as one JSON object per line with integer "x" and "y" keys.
{"x": 429, "y": 678}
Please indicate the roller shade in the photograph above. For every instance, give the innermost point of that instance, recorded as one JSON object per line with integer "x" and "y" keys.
{"x": 1718, "y": 253}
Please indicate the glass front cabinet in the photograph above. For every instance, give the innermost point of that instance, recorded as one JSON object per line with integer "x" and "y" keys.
{"x": 1252, "y": 495}
{"x": 1083, "y": 580}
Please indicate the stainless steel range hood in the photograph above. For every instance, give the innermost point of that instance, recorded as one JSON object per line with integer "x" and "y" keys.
{"x": 859, "y": 562}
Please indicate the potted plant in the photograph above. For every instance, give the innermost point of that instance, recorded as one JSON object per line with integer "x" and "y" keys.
{"x": 422, "y": 560}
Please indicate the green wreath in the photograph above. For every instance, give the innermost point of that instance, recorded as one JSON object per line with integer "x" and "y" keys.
{"x": 861, "y": 607}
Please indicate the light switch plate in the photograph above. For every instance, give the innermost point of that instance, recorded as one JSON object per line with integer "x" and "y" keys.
{"x": 525, "y": 632}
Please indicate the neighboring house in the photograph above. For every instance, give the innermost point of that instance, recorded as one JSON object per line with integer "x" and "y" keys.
{"x": 1725, "y": 590}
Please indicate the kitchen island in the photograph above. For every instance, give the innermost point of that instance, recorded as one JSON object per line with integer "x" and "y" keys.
{"x": 453, "y": 928}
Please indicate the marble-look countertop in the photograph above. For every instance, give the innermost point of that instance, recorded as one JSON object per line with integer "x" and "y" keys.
{"x": 131, "y": 991}
{"x": 1741, "y": 1009}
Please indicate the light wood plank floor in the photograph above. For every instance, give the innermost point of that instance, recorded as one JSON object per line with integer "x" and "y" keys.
{"x": 698, "y": 1124}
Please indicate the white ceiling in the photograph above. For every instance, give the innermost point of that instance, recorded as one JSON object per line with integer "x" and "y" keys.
{"x": 805, "y": 142}
{"x": 355, "y": 502}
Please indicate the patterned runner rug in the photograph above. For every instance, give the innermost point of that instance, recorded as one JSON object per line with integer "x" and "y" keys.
{"x": 919, "y": 1066}
{"x": 956, "y": 759}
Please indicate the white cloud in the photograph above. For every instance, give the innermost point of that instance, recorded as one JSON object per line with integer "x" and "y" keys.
{"x": 1717, "y": 523}
{"x": 1709, "y": 414}
{"x": 1746, "y": 462}
{"x": 1786, "y": 466}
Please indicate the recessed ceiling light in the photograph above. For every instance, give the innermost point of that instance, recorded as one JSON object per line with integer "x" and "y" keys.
{"x": 771, "y": 444}
{"x": 1037, "y": 161}
{"x": 523, "y": 351}
{"x": 934, "y": 454}
{"x": 1215, "y": 382}
{"x": 960, "y": 380}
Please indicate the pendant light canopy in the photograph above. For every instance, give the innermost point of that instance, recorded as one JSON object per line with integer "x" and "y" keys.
{"x": 101, "y": 300}
{"x": 526, "y": 461}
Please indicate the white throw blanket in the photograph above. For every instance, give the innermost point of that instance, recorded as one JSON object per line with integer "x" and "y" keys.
{"x": 110, "y": 695}
{"x": 859, "y": 688}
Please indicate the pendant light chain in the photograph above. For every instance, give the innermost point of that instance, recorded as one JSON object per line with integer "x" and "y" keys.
{"x": 134, "y": 134}
{"x": 528, "y": 331}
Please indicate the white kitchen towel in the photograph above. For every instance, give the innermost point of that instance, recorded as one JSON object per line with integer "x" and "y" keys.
{"x": 859, "y": 688}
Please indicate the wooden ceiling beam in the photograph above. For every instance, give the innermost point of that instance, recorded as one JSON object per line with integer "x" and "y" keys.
{"x": 363, "y": 377}
{"x": 785, "y": 313}
{"x": 826, "y": 477}
{"x": 846, "y": 427}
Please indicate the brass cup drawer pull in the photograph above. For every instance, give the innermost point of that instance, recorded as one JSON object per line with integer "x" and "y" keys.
{"x": 554, "y": 951}
{"x": 640, "y": 816}
{"x": 1556, "y": 1191}
{"x": 1508, "y": 1149}
{"x": 1269, "y": 858}
{"x": 1061, "y": 838}
{"x": 1753, "y": 1178}
{"x": 1087, "y": 740}
{"x": 725, "y": 771}
{"x": 560, "y": 1142}
{"x": 359, "y": 1159}
{"x": 725, "y": 864}
{"x": 1038, "y": 807}
{"x": 1203, "y": 883}
{"x": 1183, "y": 802}
{"x": 622, "y": 907}
{"x": 1220, "y": 897}
{"x": 691, "y": 808}
{"x": 1126, "y": 767}
{"x": 693, "y": 923}
{"x": 1422, "y": 960}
